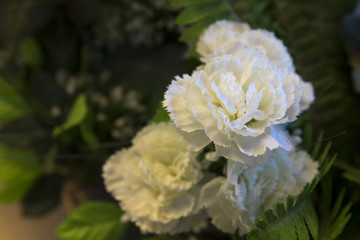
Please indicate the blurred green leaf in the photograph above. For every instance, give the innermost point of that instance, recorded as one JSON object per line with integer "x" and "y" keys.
{"x": 31, "y": 52}
{"x": 194, "y": 31}
{"x": 76, "y": 115}
{"x": 164, "y": 238}
{"x": 185, "y": 3}
{"x": 43, "y": 196}
{"x": 88, "y": 135}
{"x": 12, "y": 104}
{"x": 197, "y": 12}
{"x": 93, "y": 221}
{"x": 18, "y": 171}
{"x": 161, "y": 115}
{"x": 333, "y": 218}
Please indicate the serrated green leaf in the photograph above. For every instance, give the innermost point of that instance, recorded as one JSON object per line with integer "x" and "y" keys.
{"x": 311, "y": 220}
{"x": 161, "y": 115}
{"x": 12, "y": 104}
{"x": 270, "y": 216}
{"x": 290, "y": 203}
{"x": 280, "y": 209}
{"x": 18, "y": 171}
{"x": 31, "y": 52}
{"x": 185, "y": 3}
{"x": 76, "y": 115}
{"x": 93, "y": 221}
{"x": 290, "y": 225}
{"x": 196, "y": 13}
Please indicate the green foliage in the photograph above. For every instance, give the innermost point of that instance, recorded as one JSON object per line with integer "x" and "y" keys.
{"x": 287, "y": 222}
{"x": 31, "y": 52}
{"x": 93, "y": 221}
{"x": 88, "y": 135}
{"x": 164, "y": 238}
{"x": 76, "y": 115}
{"x": 298, "y": 219}
{"x": 185, "y": 3}
{"x": 18, "y": 171}
{"x": 12, "y": 104}
{"x": 333, "y": 220}
{"x": 43, "y": 196}
{"x": 161, "y": 115}
{"x": 201, "y": 13}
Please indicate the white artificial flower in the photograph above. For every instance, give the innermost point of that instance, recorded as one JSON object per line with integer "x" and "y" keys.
{"x": 227, "y": 37}
{"x": 236, "y": 201}
{"x": 156, "y": 181}
{"x": 236, "y": 102}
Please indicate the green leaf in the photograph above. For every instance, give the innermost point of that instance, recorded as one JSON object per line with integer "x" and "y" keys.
{"x": 164, "y": 238}
{"x": 333, "y": 219}
{"x": 185, "y": 3}
{"x": 197, "y": 12}
{"x": 93, "y": 221}
{"x": 12, "y": 104}
{"x": 161, "y": 115}
{"x": 201, "y": 13}
{"x": 195, "y": 30}
{"x": 290, "y": 222}
{"x": 298, "y": 220}
{"x": 18, "y": 171}
{"x": 43, "y": 196}
{"x": 76, "y": 115}
{"x": 31, "y": 52}
{"x": 87, "y": 133}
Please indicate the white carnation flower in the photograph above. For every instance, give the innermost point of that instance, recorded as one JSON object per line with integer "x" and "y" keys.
{"x": 156, "y": 181}
{"x": 218, "y": 35}
{"x": 236, "y": 103}
{"x": 227, "y": 37}
{"x": 236, "y": 201}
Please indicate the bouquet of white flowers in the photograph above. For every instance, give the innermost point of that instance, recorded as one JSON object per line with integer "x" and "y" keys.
{"x": 239, "y": 101}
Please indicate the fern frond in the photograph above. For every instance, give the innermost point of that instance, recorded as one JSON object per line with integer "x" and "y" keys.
{"x": 298, "y": 219}
{"x": 293, "y": 222}
{"x": 333, "y": 219}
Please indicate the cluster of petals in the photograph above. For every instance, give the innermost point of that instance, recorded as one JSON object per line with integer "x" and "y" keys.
{"x": 156, "y": 181}
{"x": 240, "y": 100}
{"x": 240, "y": 96}
{"x": 236, "y": 201}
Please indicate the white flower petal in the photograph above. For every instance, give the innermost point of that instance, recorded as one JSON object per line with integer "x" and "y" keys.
{"x": 236, "y": 201}
{"x": 156, "y": 181}
{"x": 176, "y": 105}
{"x": 308, "y": 95}
{"x": 219, "y": 207}
{"x": 197, "y": 139}
{"x": 237, "y": 101}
